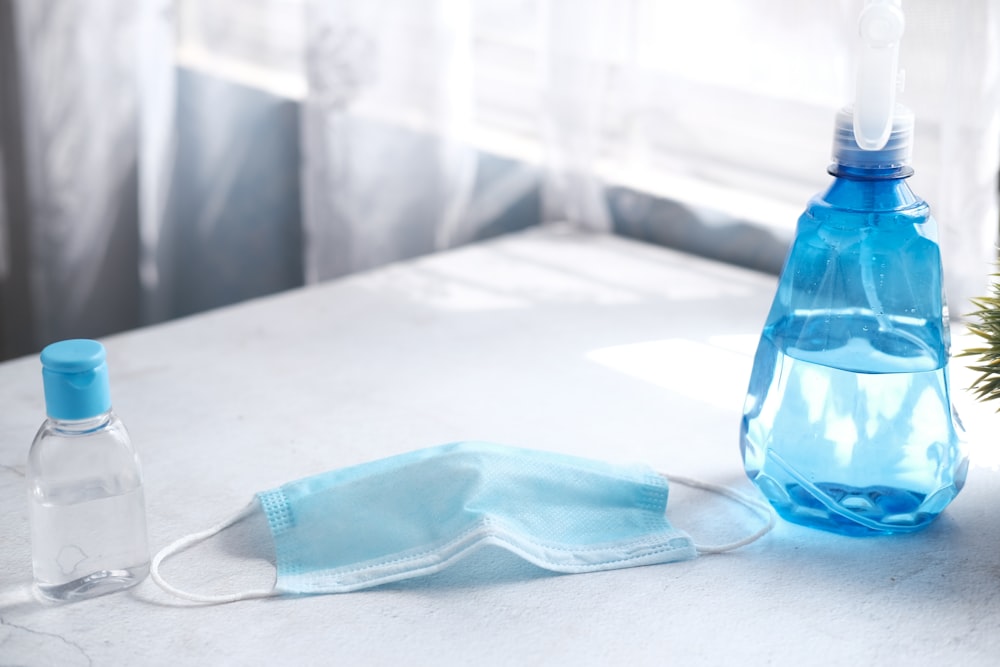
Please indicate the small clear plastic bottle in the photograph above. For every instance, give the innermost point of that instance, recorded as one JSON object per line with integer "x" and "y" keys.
{"x": 87, "y": 509}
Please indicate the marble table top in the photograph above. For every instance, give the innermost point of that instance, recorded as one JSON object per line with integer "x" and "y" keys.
{"x": 551, "y": 339}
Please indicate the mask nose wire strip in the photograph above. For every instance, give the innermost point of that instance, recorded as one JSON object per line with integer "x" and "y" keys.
{"x": 762, "y": 508}
{"x": 189, "y": 541}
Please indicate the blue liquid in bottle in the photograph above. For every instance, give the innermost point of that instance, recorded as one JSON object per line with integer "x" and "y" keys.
{"x": 848, "y": 424}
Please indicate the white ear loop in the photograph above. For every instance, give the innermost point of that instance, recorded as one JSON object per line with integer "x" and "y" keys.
{"x": 189, "y": 541}
{"x": 756, "y": 505}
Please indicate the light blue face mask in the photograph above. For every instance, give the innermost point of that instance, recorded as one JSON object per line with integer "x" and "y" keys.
{"x": 417, "y": 513}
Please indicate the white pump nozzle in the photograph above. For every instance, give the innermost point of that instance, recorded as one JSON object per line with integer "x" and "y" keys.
{"x": 881, "y": 27}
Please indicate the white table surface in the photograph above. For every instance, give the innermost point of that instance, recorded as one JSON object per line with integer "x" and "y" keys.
{"x": 584, "y": 344}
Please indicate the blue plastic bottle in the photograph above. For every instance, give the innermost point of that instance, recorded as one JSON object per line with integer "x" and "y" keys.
{"x": 848, "y": 423}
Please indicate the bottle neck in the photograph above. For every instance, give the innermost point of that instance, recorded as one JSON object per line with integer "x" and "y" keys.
{"x": 871, "y": 189}
{"x": 81, "y": 426}
{"x": 870, "y": 173}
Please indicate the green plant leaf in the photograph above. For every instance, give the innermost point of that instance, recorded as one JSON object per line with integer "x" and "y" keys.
{"x": 985, "y": 325}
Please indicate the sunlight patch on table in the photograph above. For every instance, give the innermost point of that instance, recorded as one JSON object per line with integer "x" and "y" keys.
{"x": 707, "y": 372}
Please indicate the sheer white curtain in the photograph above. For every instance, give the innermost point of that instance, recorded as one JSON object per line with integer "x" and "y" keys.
{"x": 86, "y": 94}
{"x": 729, "y": 106}
{"x": 387, "y": 128}
{"x": 420, "y": 123}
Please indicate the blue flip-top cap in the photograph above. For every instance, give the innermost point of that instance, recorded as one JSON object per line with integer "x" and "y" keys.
{"x": 75, "y": 376}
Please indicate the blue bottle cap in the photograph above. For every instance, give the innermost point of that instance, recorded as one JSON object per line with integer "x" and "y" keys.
{"x": 75, "y": 377}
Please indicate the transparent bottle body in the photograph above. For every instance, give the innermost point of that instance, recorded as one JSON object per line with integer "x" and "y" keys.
{"x": 87, "y": 509}
{"x": 848, "y": 424}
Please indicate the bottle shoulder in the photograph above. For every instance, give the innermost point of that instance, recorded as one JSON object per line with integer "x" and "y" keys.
{"x": 94, "y": 457}
{"x": 852, "y": 197}
{"x": 101, "y": 431}
{"x": 80, "y": 428}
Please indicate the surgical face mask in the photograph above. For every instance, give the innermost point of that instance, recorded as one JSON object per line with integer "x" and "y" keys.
{"x": 417, "y": 513}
